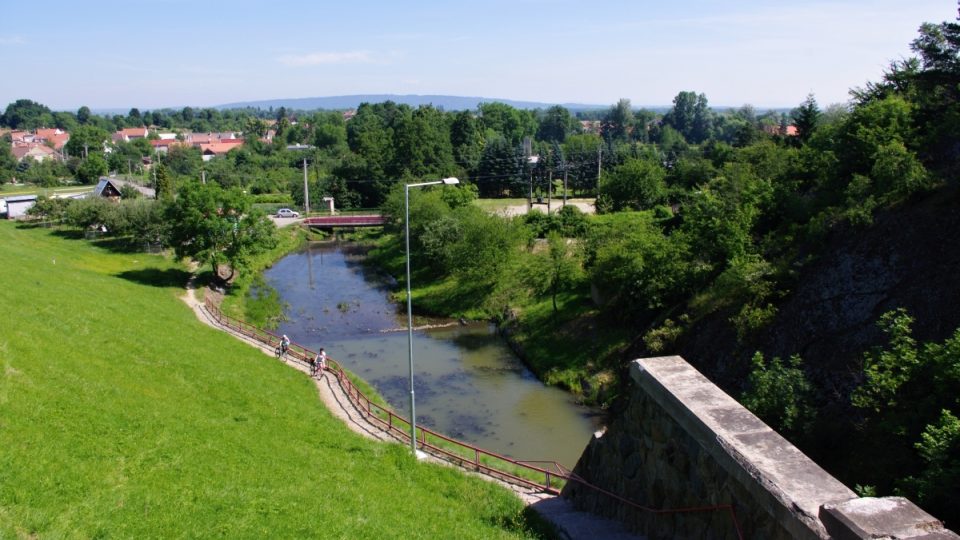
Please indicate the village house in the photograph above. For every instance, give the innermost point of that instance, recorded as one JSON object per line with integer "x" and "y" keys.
{"x": 110, "y": 188}
{"x": 163, "y": 145}
{"x": 39, "y": 152}
{"x": 129, "y": 134}
{"x": 211, "y": 150}
{"x": 57, "y": 138}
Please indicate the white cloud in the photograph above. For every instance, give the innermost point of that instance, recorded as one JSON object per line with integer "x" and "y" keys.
{"x": 12, "y": 40}
{"x": 318, "y": 58}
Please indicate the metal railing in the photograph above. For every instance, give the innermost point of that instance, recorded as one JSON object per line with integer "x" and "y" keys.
{"x": 460, "y": 453}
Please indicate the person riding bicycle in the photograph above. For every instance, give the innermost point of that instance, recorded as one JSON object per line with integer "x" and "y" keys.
{"x": 320, "y": 363}
{"x": 284, "y": 344}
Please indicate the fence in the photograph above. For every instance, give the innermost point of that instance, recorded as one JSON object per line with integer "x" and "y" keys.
{"x": 458, "y": 452}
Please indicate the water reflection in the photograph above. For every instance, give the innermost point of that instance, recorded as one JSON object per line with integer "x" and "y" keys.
{"x": 468, "y": 383}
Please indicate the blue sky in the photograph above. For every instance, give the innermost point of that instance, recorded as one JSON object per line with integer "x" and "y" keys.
{"x": 158, "y": 53}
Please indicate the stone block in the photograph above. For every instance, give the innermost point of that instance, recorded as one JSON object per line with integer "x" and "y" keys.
{"x": 886, "y": 517}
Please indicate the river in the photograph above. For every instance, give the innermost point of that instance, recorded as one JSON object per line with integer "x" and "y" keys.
{"x": 468, "y": 383}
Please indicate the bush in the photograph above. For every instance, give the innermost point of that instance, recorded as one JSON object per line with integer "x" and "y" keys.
{"x": 780, "y": 394}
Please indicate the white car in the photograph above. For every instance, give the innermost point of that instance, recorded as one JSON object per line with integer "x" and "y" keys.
{"x": 288, "y": 213}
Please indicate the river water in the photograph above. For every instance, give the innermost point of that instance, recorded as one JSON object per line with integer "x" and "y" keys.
{"x": 468, "y": 383}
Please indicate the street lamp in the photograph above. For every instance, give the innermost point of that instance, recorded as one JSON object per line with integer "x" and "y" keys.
{"x": 406, "y": 193}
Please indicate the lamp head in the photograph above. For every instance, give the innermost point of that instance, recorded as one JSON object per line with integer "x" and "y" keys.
{"x": 450, "y": 181}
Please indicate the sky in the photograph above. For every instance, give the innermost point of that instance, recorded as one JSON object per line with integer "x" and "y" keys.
{"x": 116, "y": 54}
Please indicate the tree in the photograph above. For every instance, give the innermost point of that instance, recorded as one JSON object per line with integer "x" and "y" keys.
{"x": 86, "y": 140}
{"x": 690, "y": 116}
{"x": 636, "y": 268}
{"x": 163, "y": 184}
{"x": 134, "y": 118}
{"x": 83, "y": 114}
{"x": 909, "y": 399}
{"x": 806, "y": 117}
{"x": 92, "y": 168}
{"x": 52, "y": 209}
{"x": 218, "y": 227}
{"x": 501, "y": 170}
{"x": 780, "y": 394}
{"x": 564, "y": 267}
{"x": 254, "y": 127}
{"x": 184, "y": 161}
{"x": 26, "y": 114}
{"x": 582, "y": 153}
{"x": 637, "y": 184}
{"x": 556, "y": 124}
{"x": 8, "y": 163}
{"x": 466, "y": 137}
{"x": 507, "y": 121}
{"x": 618, "y": 122}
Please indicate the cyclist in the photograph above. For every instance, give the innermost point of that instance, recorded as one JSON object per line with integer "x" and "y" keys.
{"x": 320, "y": 363}
{"x": 284, "y": 345}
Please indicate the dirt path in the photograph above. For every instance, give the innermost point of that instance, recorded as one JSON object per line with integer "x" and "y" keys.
{"x": 570, "y": 523}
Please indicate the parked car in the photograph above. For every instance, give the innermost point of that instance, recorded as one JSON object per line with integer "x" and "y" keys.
{"x": 286, "y": 212}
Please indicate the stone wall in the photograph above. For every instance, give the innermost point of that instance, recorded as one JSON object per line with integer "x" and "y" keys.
{"x": 682, "y": 446}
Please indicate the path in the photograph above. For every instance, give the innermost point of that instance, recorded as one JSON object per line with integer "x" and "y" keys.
{"x": 584, "y": 205}
{"x": 571, "y": 524}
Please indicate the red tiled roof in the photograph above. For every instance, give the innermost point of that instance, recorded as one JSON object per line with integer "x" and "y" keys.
{"x": 20, "y": 151}
{"x": 219, "y": 148}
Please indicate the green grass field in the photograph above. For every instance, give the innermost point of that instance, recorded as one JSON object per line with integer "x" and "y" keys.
{"x": 122, "y": 416}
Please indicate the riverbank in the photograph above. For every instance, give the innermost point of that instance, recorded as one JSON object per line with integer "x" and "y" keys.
{"x": 571, "y": 347}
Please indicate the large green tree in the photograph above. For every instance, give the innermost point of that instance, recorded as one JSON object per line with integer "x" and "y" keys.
{"x": 218, "y": 227}
{"x": 556, "y": 124}
{"x": 806, "y": 117}
{"x": 637, "y": 184}
{"x": 26, "y": 114}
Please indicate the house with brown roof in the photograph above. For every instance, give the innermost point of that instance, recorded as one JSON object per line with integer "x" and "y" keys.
{"x": 21, "y": 136}
{"x": 212, "y": 150}
{"x": 163, "y": 145}
{"x": 129, "y": 134}
{"x": 56, "y": 137}
{"x": 39, "y": 152}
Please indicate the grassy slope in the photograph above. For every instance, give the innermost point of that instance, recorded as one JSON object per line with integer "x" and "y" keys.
{"x": 121, "y": 415}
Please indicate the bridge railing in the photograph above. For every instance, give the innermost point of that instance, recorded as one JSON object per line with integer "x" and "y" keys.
{"x": 458, "y": 452}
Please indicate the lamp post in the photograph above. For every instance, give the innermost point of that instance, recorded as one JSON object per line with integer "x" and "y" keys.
{"x": 406, "y": 221}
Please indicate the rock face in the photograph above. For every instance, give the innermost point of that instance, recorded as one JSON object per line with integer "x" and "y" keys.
{"x": 907, "y": 259}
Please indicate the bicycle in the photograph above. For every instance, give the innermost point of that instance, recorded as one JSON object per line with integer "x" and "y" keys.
{"x": 281, "y": 352}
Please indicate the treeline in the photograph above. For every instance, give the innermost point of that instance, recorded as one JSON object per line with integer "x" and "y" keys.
{"x": 505, "y": 152}
{"x": 704, "y": 218}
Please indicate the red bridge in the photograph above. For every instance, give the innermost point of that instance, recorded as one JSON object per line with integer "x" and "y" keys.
{"x": 329, "y": 222}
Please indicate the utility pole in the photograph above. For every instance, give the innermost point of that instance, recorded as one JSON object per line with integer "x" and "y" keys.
{"x": 564, "y": 183}
{"x": 306, "y": 190}
{"x": 599, "y": 164}
{"x": 549, "y": 188}
{"x": 203, "y": 176}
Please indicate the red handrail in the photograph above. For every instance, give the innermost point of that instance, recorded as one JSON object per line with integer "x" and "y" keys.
{"x": 372, "y": 411}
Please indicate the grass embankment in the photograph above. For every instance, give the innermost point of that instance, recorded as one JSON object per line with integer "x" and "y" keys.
{"x": 121, "y": 415}
{"x": 250, "y": 298}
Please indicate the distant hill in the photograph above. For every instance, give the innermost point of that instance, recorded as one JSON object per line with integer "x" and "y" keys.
{"x": 449, "y": 103}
